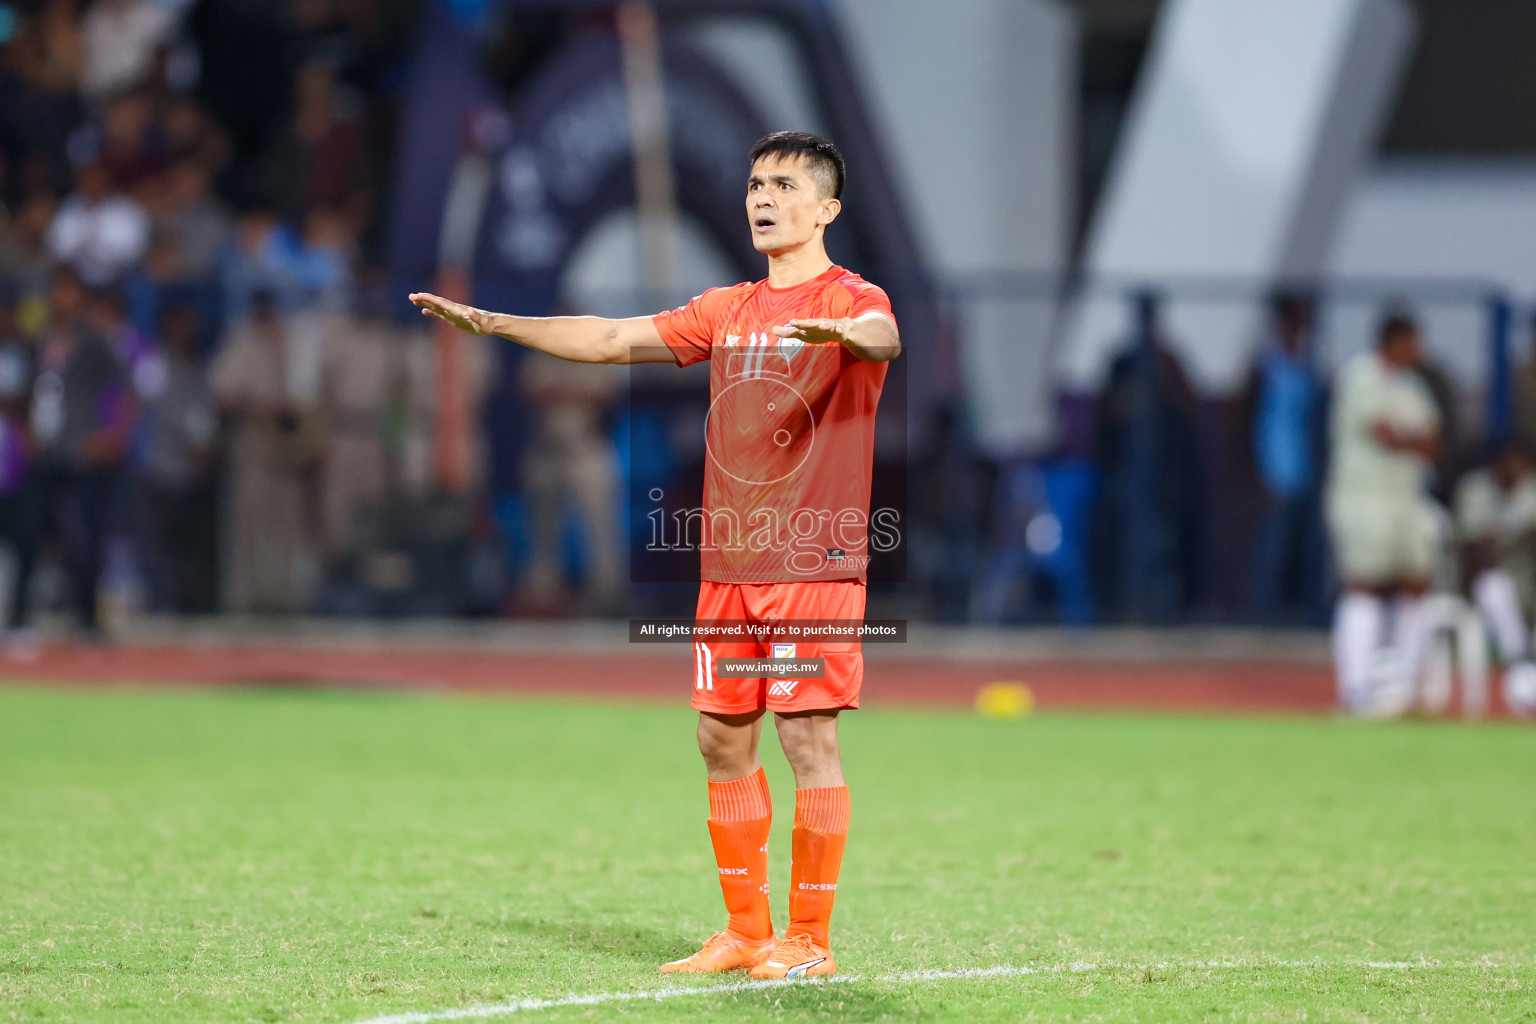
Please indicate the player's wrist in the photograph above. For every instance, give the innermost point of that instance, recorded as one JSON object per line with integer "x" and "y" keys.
{"x": 480, "y": 321}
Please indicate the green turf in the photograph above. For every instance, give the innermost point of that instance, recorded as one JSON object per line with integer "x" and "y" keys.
{"x": 290, "y": 856}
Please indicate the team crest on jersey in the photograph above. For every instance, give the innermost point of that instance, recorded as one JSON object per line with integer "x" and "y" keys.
{"x": 783, "y": 650}
{"x": 766, "y": 339}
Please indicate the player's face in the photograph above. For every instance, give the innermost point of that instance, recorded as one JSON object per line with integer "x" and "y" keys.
{"x": 785, "y": 207}
{"x": 1409, "y": 350}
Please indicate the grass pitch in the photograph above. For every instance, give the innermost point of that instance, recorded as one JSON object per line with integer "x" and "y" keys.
{"x": 291, "y": 856}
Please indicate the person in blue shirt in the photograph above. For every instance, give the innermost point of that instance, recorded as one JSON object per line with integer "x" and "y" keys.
{"x": 1284, "y": 402}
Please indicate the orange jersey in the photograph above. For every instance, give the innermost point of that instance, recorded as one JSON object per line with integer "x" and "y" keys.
{"x": 791, "y": 431}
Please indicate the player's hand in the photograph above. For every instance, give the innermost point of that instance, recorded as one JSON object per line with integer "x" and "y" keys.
{"x": 817, "y": 332}
{"x": 465, "y": 318}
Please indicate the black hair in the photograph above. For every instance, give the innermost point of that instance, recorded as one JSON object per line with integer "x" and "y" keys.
{"x": 1286, "y": 303}
{"x": 822, "y": 159}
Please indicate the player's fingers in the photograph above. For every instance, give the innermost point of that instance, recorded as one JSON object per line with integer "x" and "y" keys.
{"x": 789, "y": 330}
{"x": 439, "y": 305}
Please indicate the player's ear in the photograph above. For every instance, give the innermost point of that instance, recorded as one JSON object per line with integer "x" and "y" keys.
{"x": 830, "y": 208}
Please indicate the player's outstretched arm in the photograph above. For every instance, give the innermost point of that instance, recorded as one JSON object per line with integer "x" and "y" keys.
{"x": 581, "y": 339}
{"x": 872, "y": 337}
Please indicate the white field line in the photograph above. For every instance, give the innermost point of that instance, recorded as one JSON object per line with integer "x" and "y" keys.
{"x": 680, "y": 991}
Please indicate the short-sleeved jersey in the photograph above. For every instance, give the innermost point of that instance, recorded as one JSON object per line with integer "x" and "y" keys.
{"x": 1370, "y": 392}
{"x": 1487, "y": 512}
{"x": 790, "y": 435}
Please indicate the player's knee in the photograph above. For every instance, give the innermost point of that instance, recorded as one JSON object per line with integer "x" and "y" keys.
{"x": 725, "y": 746}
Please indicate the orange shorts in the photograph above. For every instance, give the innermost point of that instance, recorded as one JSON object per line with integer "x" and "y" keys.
{"x": 820, "y": 601}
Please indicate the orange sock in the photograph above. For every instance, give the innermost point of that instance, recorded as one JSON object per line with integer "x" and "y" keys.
{"x": 821, "y": 831}
{"x": 740, "y": 815}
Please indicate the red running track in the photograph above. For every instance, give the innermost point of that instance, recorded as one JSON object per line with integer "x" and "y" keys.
{"x": 911, "y": 680}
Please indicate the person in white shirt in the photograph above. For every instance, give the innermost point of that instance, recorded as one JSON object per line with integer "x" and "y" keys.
{"x": 99, "y": 232}
{"x": 120, "y": 39}
{"x": 1385, "y": 436}
{"x": 1496, "y": 525}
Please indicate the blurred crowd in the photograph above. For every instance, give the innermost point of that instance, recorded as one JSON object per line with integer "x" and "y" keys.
{"x": 206, "y": 400}
{"x": 209, "y": 400}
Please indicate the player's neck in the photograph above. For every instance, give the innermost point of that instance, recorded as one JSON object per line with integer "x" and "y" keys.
{"x": 798, "y": 265}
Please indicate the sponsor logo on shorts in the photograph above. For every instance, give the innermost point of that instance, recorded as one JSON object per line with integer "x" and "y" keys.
{"x": 783, "y": 687}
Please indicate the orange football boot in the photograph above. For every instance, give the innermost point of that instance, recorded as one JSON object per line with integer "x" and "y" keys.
{"x": 723, "y": 952}
{"x": 797, "y": 956}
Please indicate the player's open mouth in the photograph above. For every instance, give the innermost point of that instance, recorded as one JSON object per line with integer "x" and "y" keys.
{"x": 763, "y": 222}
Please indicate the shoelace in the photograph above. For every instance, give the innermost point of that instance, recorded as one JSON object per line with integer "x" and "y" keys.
{"x": 794, "y": 949}
{"x": 714, "y": 940}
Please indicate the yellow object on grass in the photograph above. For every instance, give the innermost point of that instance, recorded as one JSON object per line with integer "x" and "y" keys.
{"x": 1005, "y": 700}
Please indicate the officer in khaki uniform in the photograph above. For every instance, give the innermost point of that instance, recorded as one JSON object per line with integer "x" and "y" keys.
{"x": 572, "y": 464}
{"x": 449, "y": 374}
{"x": 275, "y": 444}
{"x": 362, "y": 375}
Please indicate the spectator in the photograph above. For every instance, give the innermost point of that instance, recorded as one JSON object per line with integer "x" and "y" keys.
{"x": 39, "y": 106}
{"x": 1496, "y": 523}
{"x": 324, "y": 262}
{"x": 190, "y": 228}
{"x": 949, "y": 502}
{"x": 1281, "y": 405}
{"x": 24, "y": 255}
{"x": 275, "y": 442}
{"x": 572, "y": 469}
{"x": 98, "y": 231}
{"x": 265, "y": 257}
{"x": 1385, "y": 433}
{"x": 16, "y": 371}
{"x": 316, "y": 159}
{"x": 80, "y": 423}
{"x": 449, "y": 377}
{"x": 133, "y": 148}
{"x": 107, "y": 315}
{"x": 190, "y": 134}
{"x": 49, "y": 49}
{"x": 361, "y": 377}
{"x": 120, "y": 41}
{"x": 1151, "y": 495}
{"x": 176, "y": 472}
{"x": 1525, "y": 399}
